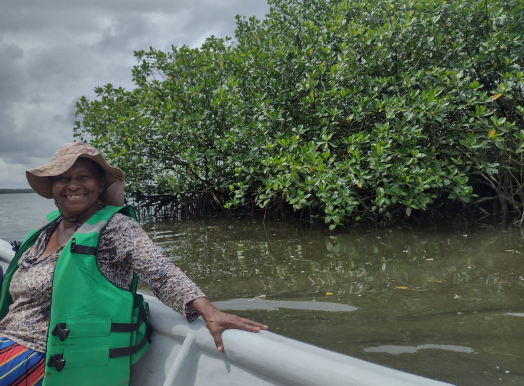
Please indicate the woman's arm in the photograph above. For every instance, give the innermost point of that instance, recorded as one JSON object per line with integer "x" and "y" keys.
{"x": 125, "y": 244}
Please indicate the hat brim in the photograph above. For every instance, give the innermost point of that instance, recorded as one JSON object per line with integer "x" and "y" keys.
{"x": 39, "y": 180}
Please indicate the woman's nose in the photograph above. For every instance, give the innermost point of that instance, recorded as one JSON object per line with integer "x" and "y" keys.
{"x": 73, "y": 184}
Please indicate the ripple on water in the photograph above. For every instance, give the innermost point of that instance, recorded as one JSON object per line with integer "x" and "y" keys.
{"x": 390, "y": 349}
{"x": 272, "y": 305}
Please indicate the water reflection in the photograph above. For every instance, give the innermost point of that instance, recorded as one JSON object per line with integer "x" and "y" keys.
{"x": 413, "y": 288}
{"x": 272, "y": 305}
{"x": 412, "y": 350}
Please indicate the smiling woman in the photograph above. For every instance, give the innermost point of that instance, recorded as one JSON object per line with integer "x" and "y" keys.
{"x": 68, "y": 304}
{"x": 77, "y": 189}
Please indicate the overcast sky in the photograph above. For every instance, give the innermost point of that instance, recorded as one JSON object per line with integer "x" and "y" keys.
{"x": 54, "y": 51}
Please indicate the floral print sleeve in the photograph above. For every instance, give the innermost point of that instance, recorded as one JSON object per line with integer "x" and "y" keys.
{"x": 124, "y": 248}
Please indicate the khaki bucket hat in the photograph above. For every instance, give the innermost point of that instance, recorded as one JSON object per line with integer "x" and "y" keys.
{"x": 63, "y": 160}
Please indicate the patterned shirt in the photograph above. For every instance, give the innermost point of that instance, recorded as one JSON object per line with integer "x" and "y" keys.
{"x": 124, "y": 248}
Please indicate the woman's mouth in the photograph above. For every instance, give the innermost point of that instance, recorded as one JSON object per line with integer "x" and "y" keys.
{"x": 76, "y": 197}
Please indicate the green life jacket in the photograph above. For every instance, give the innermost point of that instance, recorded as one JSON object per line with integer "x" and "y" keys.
{"x": 96, "y": 330}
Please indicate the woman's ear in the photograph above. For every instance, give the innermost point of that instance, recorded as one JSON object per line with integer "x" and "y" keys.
{"x": 102, "y": 185}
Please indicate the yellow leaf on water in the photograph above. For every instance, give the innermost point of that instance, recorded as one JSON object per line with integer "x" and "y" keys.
{"x": 496, "y": 96}
{"x": 329, "y": 293}
{"x": 402, "y": 287}
{"x": 492, "y": 133}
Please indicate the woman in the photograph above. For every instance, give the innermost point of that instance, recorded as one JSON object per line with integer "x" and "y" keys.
{"x": 68, "y": 303}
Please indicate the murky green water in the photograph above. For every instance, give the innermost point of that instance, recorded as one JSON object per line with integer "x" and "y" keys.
{"x": 446, "y": 305}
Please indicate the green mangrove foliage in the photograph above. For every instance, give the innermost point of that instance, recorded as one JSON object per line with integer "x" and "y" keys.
{"x": 339, "y": 108}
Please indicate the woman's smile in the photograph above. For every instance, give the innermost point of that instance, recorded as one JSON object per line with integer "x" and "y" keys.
{"x": 76, "y": 197}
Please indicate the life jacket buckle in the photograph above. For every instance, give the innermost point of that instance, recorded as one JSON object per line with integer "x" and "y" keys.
{"x": 73, "y": 245}
{"x": 60, "y": 331}
{"x": 57, "y": 361}
{"x": 16, "y": 246}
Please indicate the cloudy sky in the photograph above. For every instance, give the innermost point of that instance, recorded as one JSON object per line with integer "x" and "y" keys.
{"x": 54, "y": 51}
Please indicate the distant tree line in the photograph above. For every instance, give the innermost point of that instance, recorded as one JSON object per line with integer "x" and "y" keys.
{"x": 9, "y": 191}
{"x": 332, "y": 108}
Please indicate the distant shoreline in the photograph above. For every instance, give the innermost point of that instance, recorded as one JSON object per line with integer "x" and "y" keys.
{"x": 11, "y": 191}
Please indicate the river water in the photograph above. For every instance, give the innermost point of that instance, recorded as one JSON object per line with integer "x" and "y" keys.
{"x": 444, "y": 304}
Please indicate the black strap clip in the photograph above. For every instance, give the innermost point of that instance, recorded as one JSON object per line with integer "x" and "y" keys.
{"x": 82, "y": 249}
{"x": 60, "y": 331}
{"x": 56, "y": 361}
{"x": 15, "y": 245}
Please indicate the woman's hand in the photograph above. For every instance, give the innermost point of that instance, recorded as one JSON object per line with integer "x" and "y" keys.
{"x": 218, "y": 321}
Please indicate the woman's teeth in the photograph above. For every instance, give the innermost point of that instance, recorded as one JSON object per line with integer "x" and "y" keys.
{"x": 75, "y": 197}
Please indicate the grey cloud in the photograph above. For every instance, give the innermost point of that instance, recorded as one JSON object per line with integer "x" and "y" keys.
{"x": 54, "y": 51}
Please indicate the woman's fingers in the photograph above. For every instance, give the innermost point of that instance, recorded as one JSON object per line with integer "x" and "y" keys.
{"x": 222, "y": 321}
{"x": 250, "y": 325}
{"x": 217, "y": 337}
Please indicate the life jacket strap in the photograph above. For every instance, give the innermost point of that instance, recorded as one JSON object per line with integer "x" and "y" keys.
{"x": 57, "y": 360}
{"x": 128, "y": 351}
{"x": 132, "y": 327}
{"x": 82, "y": 249}
{"x": 61, "y": 330}
{"x": 131, "y": 350}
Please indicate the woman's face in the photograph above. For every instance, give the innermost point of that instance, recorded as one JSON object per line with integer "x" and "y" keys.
{"x": 76, "y": 191}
